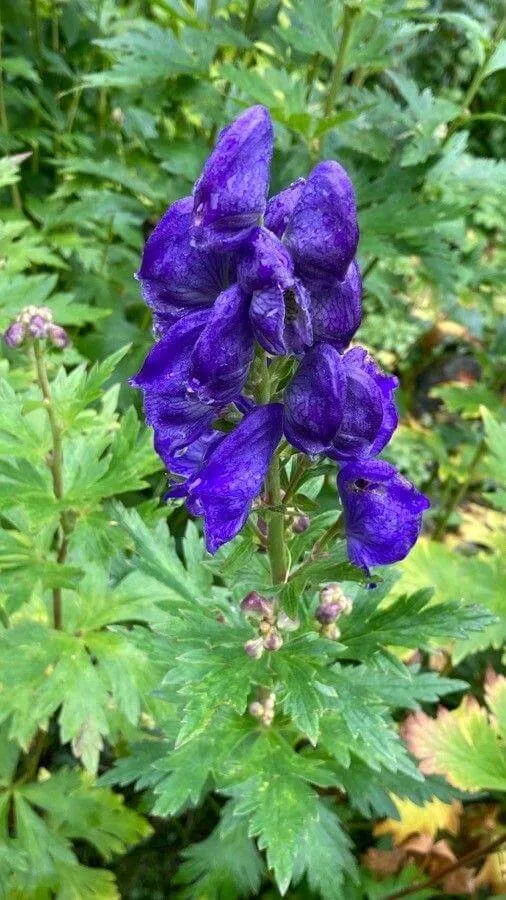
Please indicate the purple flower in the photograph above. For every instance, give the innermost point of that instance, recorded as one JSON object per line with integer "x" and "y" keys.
{"x": 231, "y": 194}
{"x": 231, "y": 477}
{"x": 322, "y": 231}
{"x": 340, "y": 405}
{"x": 179, "y": 418}
{"x": 279, "y": 311}
{"x": 14, "y": 335}
{"x": 175, "y": 277}
{"x": 336, "y": 309}
{"x": 281, "y": 206}
{"x": 223, "y": 351}
{"x": 382, "y": 512}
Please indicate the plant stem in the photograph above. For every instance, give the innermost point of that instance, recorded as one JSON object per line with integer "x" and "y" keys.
{"x": 456, "y": 498}
{"x": 276, "y": 547}
{"x": 4, "y": 124}
{"x": 56, "y": 467}
{"x": 294, "y": 484}
{"x": 479, "y": 75}
{"x": 470, "y": 857}
{"x": 349, "y": 14}
{"x": 334, "y": 530}
{"x": 248, "y": 18}
{"x": 34, "y": 11}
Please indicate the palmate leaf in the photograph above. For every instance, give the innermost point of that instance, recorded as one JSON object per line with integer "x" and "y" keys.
{"x": 83, "y": 678}
{"x": 409, "y": 621}
{"x": 227, "y": 863}
{"x": 477, "y": 579}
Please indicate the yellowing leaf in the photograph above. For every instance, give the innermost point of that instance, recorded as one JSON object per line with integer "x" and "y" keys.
{"x": 462, "y": 745}
{"x": 427, "y": 819}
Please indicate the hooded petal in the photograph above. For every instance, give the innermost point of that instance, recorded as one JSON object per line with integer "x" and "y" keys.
{"x": 336, "y": 309}
{"x": 233, "y": 474}
{"x": 358, "y": 359}
{"x": 188, "y": 460}
{"x": 363, "y": 410}
{"x": 230, "y": 195}
{"x": 175, "y": 277}
{"x": 178, "y": 418}
{"x": 224, "y": 350}
{"x": 264, "y": 262}
{"x": 314, "y": 400}
{"x": 281, "y": 319}
{"x": 280, "y": 207}
{"x": 322, "y": 232}
{"x": 382, "y": 512}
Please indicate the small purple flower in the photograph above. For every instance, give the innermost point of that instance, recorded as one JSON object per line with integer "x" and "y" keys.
{"x": 15, "y": 334}
{"x": 223, "y": 490}
{"x": 38, "y": 326}
{"x": 382, "y": 512}
{"x": 231, "y": 194}
{"x": 322, "y": 232}
{"x": 340, "y": 405}
{"x": 256, "y": 606}
{"x": 58, "y": 336}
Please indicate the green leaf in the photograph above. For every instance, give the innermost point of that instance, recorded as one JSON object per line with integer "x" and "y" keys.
{"x": 497, "y": 61}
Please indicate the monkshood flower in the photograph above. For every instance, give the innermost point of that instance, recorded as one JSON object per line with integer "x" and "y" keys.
{"x": 340, "y": 405}
{"x": 297, "y": 268}
{"x": 382, "y": 512}
{"x": 231, "y": 474}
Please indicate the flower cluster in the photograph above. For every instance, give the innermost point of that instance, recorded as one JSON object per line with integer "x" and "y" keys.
{"x": 35, "y": 323}
{"x": 230, "y": 275}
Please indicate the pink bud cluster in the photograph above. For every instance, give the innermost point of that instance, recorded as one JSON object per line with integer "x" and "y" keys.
{"x": 270, "y": 623}
{"x": 35, "y": 323}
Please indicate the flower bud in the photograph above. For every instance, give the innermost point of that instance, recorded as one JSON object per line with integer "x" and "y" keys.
{"x": 330, "y": 631}
{"x": 301, "y": 524}
{"x": 58, "y": 336}
{"x": 254, "y": 648}
{"x": 333, "y": 603}
{"x": 38, "y": 326}
{"x": 269, "y": 701}
{"x": 286, "y": 623}
{"x": 256, "y": 606}
{"x": 15, "y": 334}
{"x": 256, "y": 710}
{"x": 273, "y": 641}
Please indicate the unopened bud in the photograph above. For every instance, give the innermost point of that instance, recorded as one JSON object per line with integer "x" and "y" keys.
{"x": 256, "y": 710}
{"x": 254, "y": 648}
{"x": 301, "y": 524}
{"x": 269, "y": 701}
{"x": 256, "y": 606}
{"x": 15, "y": 334}
{"x": 117, "y": 116}
{"x": 273, "y": 641}
{"x": 265, "y": 627}
{"x": 333, "y": 603}
{"x": 286, "y": 623}
{"x": 58, "y": 336}
{"x": 38, "y": 326}
{"x": 330, "y": 631}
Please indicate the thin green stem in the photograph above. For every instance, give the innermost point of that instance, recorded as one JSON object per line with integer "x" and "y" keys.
{"x": 333, "y": 531}
{"x": 56, "y": 468}
{"x": 349, "y": 15}
{"x": 4, "y": 124}
{"x": 35, "y": 24}
{"x": 276, "y": 547}
{"x": 456, "y": 498}
{"x": 248, "y": 18}
{"x": 296, "y": 479}
{"x": 479, "y": 76}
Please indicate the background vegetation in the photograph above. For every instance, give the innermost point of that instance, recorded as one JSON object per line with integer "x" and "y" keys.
{"x": 111, "y": 644}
